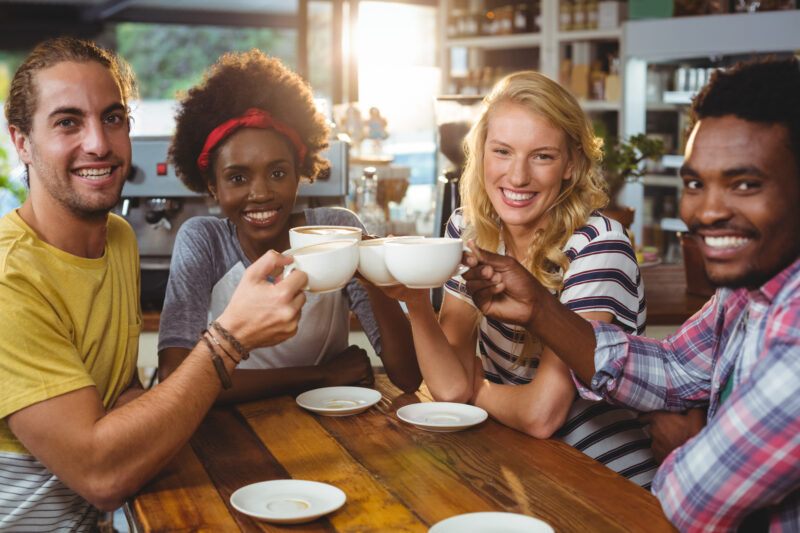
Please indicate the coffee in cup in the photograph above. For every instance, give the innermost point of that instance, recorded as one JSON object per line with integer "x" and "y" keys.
{"x": 307, "y": 235}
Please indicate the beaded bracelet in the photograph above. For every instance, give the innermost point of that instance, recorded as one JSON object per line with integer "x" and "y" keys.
{"x": 231, "y": 339}
{"x": 221, "y": 347}
{"x": 224, "y": 378}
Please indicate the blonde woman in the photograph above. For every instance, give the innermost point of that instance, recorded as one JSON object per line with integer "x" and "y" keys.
{"x": 530, "y": 190}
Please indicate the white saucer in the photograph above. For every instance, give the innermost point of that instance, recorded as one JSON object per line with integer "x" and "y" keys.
{"x": 339, "y": 401}
{"x": 287, "y": 501}
{"x": 490, "y": 523}
{"x": 442, "y": 416}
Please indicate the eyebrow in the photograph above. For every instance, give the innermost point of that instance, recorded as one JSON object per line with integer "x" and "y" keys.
{"x": 117, "y": 106}
{"x": 556, "y": 148}
{"x": 744, "y": 170}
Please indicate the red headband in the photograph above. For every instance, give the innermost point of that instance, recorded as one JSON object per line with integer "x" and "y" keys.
{"x": 252, "y": 118}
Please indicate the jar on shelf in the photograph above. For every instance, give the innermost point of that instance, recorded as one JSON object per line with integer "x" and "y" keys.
{"x": 536, "y": 16}
{"x": 565, "y": 10}
{"x": 488, "y": 23}
{"x": 370, "y": 213}
{"x": 522, "y": 18}
{"x": 592, "y": 11}
{"x": 504, "y": 18}
{"x": 452, "y": 24}
{"x": 579, "y": 15}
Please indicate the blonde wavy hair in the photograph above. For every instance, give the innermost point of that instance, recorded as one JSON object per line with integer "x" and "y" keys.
{"x": 580, "y": 195}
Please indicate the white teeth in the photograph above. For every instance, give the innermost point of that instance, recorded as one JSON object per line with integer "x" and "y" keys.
{"x": 261, "y": 215}
{"x": 511, "y": 195}
{"x": 93, "y": 172}
{"x": 728, "y": 241}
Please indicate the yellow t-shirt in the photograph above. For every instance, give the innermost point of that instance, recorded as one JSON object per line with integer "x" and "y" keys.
{"x": 66, "y": 322}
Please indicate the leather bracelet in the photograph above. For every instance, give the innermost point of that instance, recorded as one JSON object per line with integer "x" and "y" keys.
{"x": 231, "y": 339}
{"x": 221, "y": 347}
{"x": 219, "y": 366}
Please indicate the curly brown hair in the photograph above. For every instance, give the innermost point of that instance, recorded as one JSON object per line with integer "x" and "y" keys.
{"x": 237, "y": 82}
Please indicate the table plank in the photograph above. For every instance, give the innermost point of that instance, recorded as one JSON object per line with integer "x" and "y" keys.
{"x": 485, "y": 477}
{"x": 181, "y": 498}
{"x": 307, "y": 452}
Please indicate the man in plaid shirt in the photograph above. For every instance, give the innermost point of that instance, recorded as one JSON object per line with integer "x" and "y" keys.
{"x": 739, "y": 356}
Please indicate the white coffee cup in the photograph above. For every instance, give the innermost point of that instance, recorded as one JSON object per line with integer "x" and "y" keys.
{"x": 371, "y": 261}
{"x": 423, "y": 263}
{"x": 308, "y": 235}
{"x": 328, "y": 265}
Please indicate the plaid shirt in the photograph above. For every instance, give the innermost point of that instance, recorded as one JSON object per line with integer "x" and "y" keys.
{"x": 748, "y": 456}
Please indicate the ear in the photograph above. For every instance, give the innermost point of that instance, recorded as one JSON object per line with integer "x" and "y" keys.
{"x": 213, "y": 190}
{"x": 568, "y": 171}
{"x": 21, "y": 143}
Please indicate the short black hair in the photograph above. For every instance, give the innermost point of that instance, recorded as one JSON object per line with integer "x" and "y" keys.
{"x": 761, "y": 90}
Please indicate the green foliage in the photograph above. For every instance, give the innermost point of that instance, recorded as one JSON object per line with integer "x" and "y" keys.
{"x": 622, "y": 160}
{"x": 170, "y": 58}
{"x": 19, "y": 192}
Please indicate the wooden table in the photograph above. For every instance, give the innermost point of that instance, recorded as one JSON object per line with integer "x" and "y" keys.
{"x": 668, "y": 303}
{"x": 396, "y": 477}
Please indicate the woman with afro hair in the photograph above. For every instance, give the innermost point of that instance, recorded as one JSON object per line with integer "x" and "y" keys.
{"x": 247, "y": 135}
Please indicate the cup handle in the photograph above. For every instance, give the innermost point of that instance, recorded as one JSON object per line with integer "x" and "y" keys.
{"x": 463, "y": 268}
{"x": 288, "y": 269}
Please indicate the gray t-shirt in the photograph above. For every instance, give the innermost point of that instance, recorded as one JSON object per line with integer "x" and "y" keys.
{"x": 207, "y": 264}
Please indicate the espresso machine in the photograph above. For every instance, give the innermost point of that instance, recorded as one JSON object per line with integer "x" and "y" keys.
{"x": 155, "y": 203}
{"x": 455, "y": 115}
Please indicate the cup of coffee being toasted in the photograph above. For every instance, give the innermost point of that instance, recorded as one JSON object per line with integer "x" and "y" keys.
{"x": 424, "y": 263}
{"x": 328, "y": 265}
{"x": 307, "y": 235}
{"x": 372, "y": 263}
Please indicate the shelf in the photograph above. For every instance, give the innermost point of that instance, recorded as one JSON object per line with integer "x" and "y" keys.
{"x": 662, "y": 106}
{"x": 712, "y": 35}
{"x": 678, "y": 97}
{"x": 497, "y": 42}
{"x": 600, "y": 105}
{"x": 661, "y": 180}
{"x": 601, "y": 34}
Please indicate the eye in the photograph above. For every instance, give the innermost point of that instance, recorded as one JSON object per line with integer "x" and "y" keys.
{"x": 236, "y": 178}
{"x": 116, "y": 118}
{"x": 65, "y": 123}
{"x": 692, "y": 184}
{"x": 278, "y": 174}
{"x": 544, "y": 156}
{"x": 501, "y": 151}
{"x": 746, "y": 186}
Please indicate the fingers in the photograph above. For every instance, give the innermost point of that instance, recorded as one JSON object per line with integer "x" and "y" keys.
{"x": 267, "y": 264}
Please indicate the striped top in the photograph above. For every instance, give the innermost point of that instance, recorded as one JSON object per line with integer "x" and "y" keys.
{"x": 603, "y": 275}
{"x": 26, "y": 484}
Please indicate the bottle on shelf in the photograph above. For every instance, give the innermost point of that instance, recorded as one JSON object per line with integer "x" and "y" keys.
{"x": 579, "y": 15}
{"x": 565, "y": 11}
{"x": 369, "y": 211}
{"x": 522, "y": 18}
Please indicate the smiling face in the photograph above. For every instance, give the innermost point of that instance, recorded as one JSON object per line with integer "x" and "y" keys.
{"x": 740, "y": 198}
{"x": 525, "y": 161}
{"x": 78, "y": 151}
{"x": 256, "y": 186}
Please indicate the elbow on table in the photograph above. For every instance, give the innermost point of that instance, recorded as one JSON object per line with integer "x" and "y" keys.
{"x": 452, "y": 395}
{"x": 107, "y": 492}
{"x": 541, "y": 427}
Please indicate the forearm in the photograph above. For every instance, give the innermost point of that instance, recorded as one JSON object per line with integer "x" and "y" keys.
{"x": 397, "y": 343}
{"x": 566, "y": 333}
{"x": 446, "y": 375}
{"x": 133, "y": 443}
{"x": 253, "y": 384}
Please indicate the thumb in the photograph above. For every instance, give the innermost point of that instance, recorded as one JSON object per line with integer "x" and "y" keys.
{"x": 485, "y": 257}
{"x": 266, "y": 264}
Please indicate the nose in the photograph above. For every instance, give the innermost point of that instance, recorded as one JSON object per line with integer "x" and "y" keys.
{"x": 259, "y": 189}
{"x": 519, "y": 174}
{"x": 95, "y": 139}
{"x": 710, "y": 207}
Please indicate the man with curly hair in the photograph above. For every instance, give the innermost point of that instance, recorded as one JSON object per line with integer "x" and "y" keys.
{"x": 77, "y": 431}
{"x": 247, "y": 135}
{"x": 739, "y": 356}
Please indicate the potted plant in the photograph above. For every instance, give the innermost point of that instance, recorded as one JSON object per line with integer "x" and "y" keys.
{"x": 622, "y": 163}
